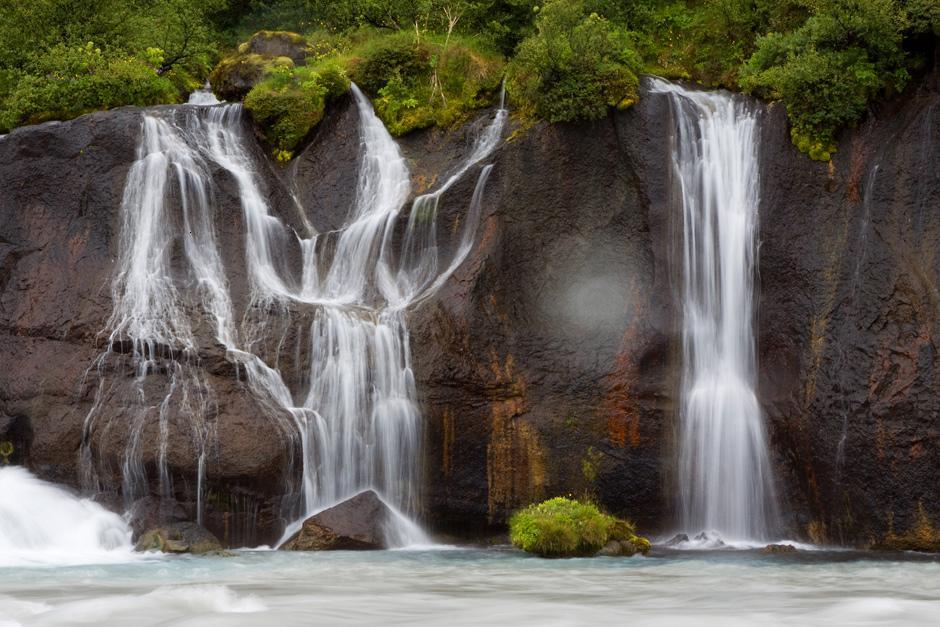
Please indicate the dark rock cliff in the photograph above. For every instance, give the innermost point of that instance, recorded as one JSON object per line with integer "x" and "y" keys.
{"x": 549, "y": 363}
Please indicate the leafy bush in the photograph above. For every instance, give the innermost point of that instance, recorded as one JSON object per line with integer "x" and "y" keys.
{"x": 388, "y": 58}
{"x": 560, "y": 527}
{"x": 827, "y": 71}
{"x": 576, "y": 65}
{"x": 67, "y": 82}
{"x": 143, "y": 53}
{"x": 291, "y": 101}
{"x": 435, "y": 82}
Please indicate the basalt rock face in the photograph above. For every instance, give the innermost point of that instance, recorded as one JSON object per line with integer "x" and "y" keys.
{"x": 546, "y": 364}
{"x": 62, "y": 185}
{"x": 549, "y": 363}
{"x": 850, "y": 321}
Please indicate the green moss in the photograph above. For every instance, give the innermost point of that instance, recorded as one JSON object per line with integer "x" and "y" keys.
{"x": 290, "y": 101}
{"x": 562, "y": 527}
{"x": 590, "y": 464}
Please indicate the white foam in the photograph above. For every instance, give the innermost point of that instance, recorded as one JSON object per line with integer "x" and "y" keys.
{"x": 43, "y": 524}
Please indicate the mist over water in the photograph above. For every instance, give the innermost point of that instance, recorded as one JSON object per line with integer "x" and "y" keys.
{"x": 474, "y": 587}
{"x": 44, "y": 524}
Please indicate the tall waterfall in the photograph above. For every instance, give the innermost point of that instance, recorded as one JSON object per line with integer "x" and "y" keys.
{"x": 355, "y": 417}
{"x": 724, "y": 473}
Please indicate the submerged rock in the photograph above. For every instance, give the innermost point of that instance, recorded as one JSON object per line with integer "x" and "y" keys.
{"x": 357, "y": 524}
{"x": 180, "y": 537}
{"x": 778, "y": 548}
{"x": 624, "y": 548}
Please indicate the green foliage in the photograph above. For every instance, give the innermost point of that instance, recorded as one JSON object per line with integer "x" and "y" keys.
{"x": 575, "y": 66}
{"x": 291, "y": 100}
{"x": 560, "y": 527}
{"x": 843, "y": 56}
{"x": 62, "y": 58}
{"x": 436, "y": 81}
{"x": 71, "y": 81}
{"x": 391, "y": 58}
{"x": 431, "y": 62}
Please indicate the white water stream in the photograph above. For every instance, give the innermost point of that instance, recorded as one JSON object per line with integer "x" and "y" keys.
{"x": 724, "y": 476}
{"x": 356, "y": 416}
{"x": 41, "y": 524}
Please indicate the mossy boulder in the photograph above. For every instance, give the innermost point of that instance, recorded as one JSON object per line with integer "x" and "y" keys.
{"x": 272, "y": 44}
{"x": 235, "y": 76}
{"x": 289, "y": 102}
{"x": 181, "y": 537}
{"x": 562, "y": 527}
{"x": 778, "y": 549}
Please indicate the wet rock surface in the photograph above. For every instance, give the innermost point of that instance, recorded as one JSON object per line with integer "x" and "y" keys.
{"x": 549, "y": 363}
{"x": 356, "y": 524}
{"x": 180, "y": 537}
{"x": 778, "y": 549}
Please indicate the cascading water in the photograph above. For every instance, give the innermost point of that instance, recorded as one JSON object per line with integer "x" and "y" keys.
{"x": 41, "y": 523}
{"x": 724, "y": 474}
{"x": 356, "y": 414}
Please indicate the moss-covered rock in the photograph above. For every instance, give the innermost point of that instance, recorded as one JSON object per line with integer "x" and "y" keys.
{"x": 236, "y": 75}
{"x": 778, "y": 549}
{"x": 267, "y": 43}
{"x": 562, "y": 527}
{"x": 289, "y": 102}
{"x": 181, "y": 537}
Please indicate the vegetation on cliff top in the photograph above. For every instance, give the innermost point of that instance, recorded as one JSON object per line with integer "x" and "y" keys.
{"x": 430, "y": 62}
{"x": 563, "y": 527}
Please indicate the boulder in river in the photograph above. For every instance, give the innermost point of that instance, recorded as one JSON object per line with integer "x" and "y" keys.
{"x": 775, "y": 549}
{"x": 179, "y": 537}
{"x": 150, "y": 512}
{"x": 357, "y": 524}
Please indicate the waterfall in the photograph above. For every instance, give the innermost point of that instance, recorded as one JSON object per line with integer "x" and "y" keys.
{"x": 41, "y": 523}
{"x": 724, "y": 473}
{"x": 355, "y": 415}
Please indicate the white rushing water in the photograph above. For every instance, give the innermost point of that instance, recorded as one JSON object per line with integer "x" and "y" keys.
{"x": 724, "y": 476}
{"x": 478, "y": 588}
{"x": 203, "y": 97}
{"x": 41, "y": 523}
{"x": 355, "y": 417}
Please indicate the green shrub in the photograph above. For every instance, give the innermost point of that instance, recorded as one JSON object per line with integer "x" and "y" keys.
{"x": 827, "y": 71}
{"x": 386, "y": 58}
{"x": 290, "y": 101}
{"x": 435, "y": 82}
{"x": 575, "y": 67}
{"x": 560, "y": 527}
{"x": 69, "y": 81}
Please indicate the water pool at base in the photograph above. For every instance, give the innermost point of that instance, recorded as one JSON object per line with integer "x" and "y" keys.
{"x": 476, "y": 586}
